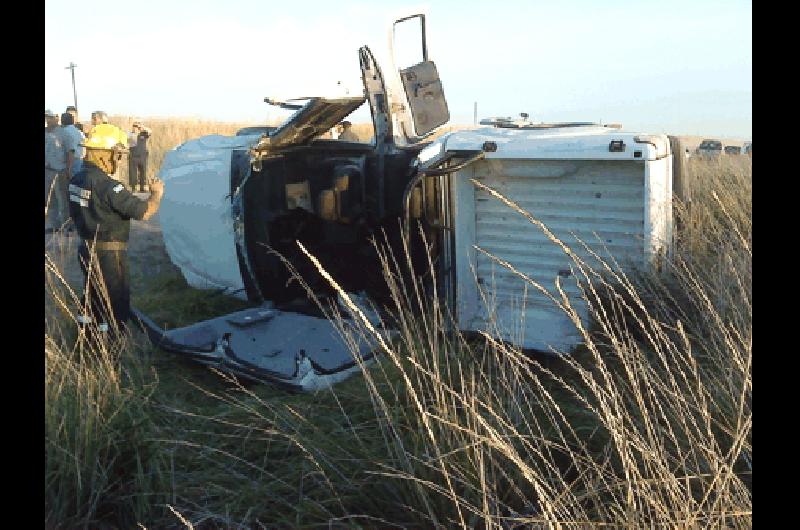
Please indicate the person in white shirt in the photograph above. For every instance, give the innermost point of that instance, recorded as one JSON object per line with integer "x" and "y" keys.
{"x": 72, "y": 139}
{"x": 75, "y": 121}
{"x": 55, "y": 164}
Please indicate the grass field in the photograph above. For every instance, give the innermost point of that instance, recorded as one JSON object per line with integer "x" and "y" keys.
{"x": 649, "y": 424}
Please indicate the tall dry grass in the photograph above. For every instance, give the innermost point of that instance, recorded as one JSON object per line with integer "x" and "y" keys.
{"x": 101, "y": 465}
{"x": 649, "y": 424}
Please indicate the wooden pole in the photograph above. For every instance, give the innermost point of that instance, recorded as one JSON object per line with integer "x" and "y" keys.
{"x": 71, "y": 67}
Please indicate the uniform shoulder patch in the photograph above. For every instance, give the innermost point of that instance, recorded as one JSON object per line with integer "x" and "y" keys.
{"x": 118, "y": 188}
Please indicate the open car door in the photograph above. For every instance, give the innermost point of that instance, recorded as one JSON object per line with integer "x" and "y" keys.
{"x": 294, "y": 351}
{"x": 417, "y": 90}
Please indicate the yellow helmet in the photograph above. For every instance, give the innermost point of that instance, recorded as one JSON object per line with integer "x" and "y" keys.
{"x": 106, "y": 136}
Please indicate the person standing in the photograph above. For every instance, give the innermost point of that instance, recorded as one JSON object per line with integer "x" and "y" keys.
{"x": 98, "y": 117}
{"x": 101, "y": 127}
{"x": 72, "y": 141}
{"x": 75, "y": 121}
{"x": 55, "y": 164}
{"x": 137, "y": 163}
{"x": 346, "y": 134}
{"x": 101, "y": 209}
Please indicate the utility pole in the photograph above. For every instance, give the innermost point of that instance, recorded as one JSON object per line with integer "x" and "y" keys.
{"x": 475, "y": 114}
{"x": 72, "y": 67}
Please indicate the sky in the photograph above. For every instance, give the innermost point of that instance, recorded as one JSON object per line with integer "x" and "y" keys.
{"x": 678, "y": 67}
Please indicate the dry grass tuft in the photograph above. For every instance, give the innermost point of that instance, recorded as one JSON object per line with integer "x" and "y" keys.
{"x": 100, "y": 464}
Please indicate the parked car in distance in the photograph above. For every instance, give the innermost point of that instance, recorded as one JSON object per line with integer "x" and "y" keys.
{"x": 748, "y": 148}
{"x": 710, "y": 148}
{"x": 733, "y": 150}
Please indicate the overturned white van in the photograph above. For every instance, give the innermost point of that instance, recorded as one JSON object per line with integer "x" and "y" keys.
{"x": 234, "y": 209}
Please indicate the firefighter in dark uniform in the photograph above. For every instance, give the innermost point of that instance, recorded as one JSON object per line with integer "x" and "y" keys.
{"x": 101, "y": 209}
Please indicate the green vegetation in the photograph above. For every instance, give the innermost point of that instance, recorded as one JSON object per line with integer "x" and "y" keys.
{"x": 647, "y": 425}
